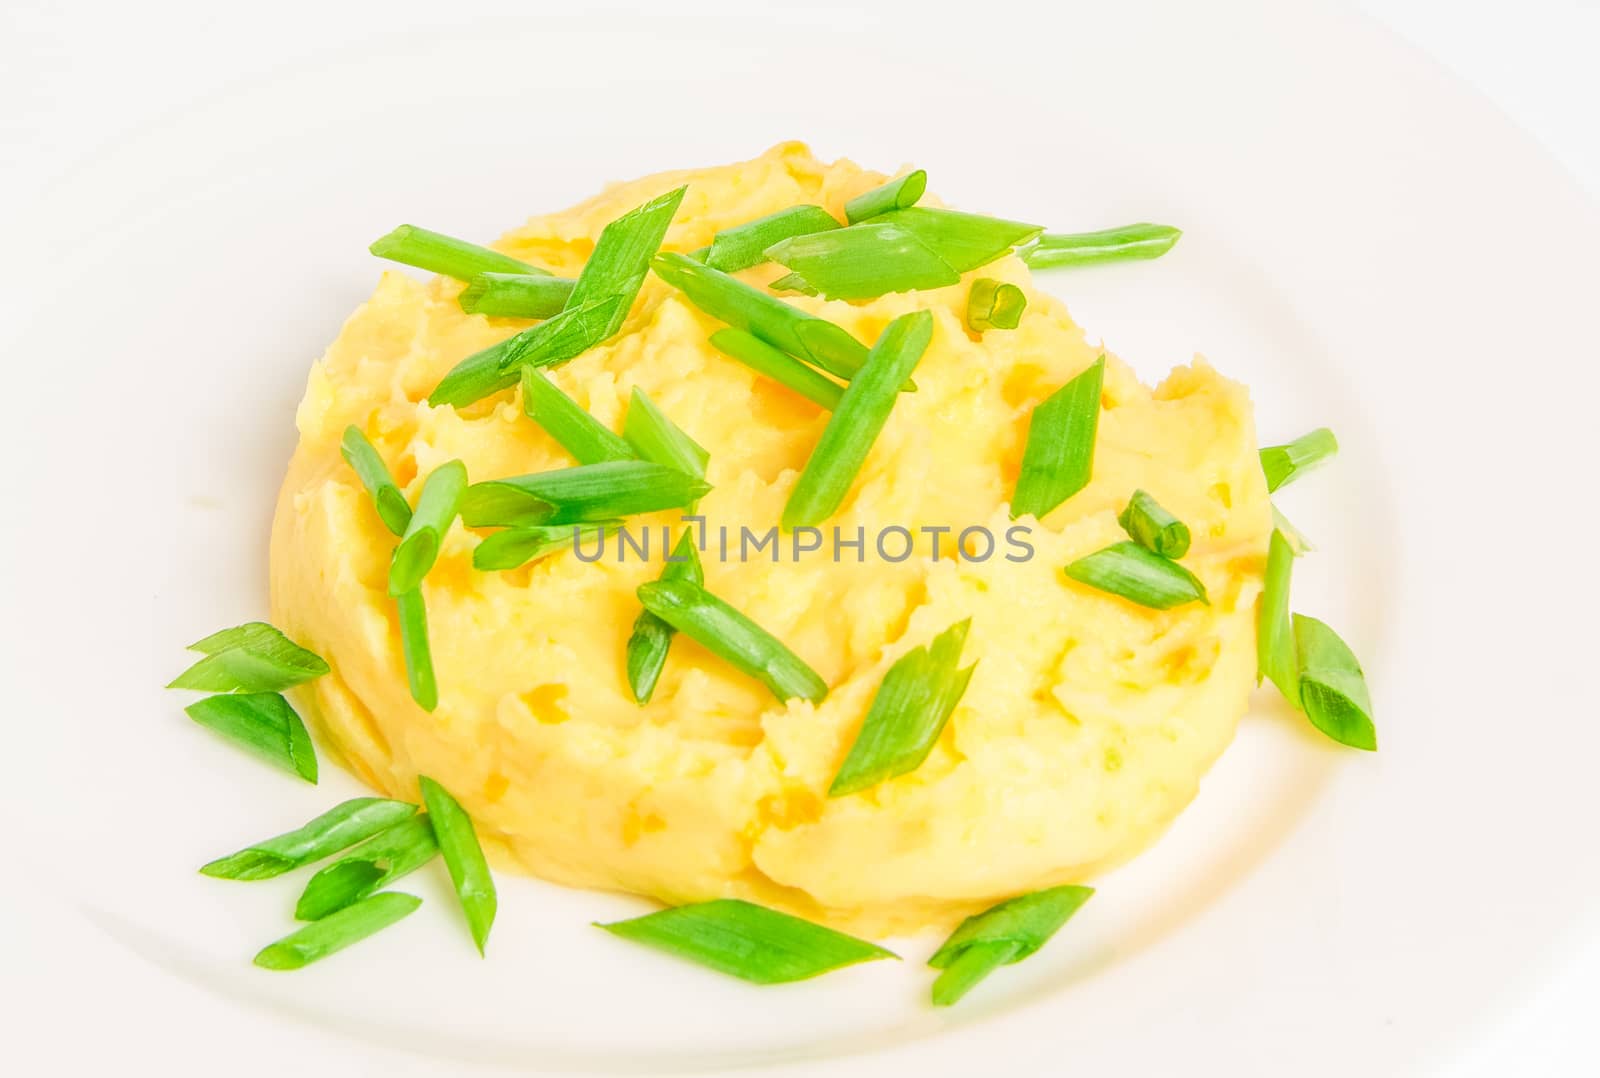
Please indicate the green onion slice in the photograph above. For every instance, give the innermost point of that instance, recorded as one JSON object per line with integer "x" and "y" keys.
{"x": 897, "y": 194}
{"x": 417, "y": 649}
{"x": 1138, "y": 575}
{"x": 1059, "y": 456}
{"x": 1333, "y": 690}
{"x": 1153, "y": 528}
{"x": 1298, "y": 543}
{"x": 363, "y": 458}
{"x": 253, "y": 657}
{"x": 585, "y": 494}
{"x": 436, "y": 511}
{"x": 621, "y": 257}
{"x": 469, "y": 871}
{"x": 745, "y": 245}
{"x": 438, "y": 253}
{"x": 731, "y": 636}
{"x": 564, "y": 419}
{"x": 1109, "y": 245}
{"x": 789, "y": 329}
{"x": 793, "y": 282}
{"x": 652, "y": 638}
{"x": 337, "y": 931}
{"x": 863, "y": 410}
{"x": 1001, "y": 936}
{"x": 656, "y": 438}
{"x": 340, "y": 827}
{"x": 1275, "y": 647}
{"x": 516, "y": 547}
{"x": 762, "y": 358}
{"x": 264, "y": 724}
{"x": 907, "y": 714}
{"x": 864, "y": 261}
{"x": 747, "y": 941}
{"x": 548, "y": 344}
{"x": 385, "y": 857}
{"x": 1283, "y": 464}
{"x": 964, "y": 240}
{"x": 515, "y": 295}
{"x": 993, "y": 304}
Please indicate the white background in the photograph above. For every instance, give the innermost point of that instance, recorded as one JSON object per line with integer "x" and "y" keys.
{"x": 76, "y": 77}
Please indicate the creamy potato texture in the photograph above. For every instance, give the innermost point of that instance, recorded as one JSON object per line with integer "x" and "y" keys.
{"x": 1087, "y": 725}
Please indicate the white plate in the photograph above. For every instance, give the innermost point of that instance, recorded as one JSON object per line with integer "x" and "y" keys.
{"x": 1367, "y": 246}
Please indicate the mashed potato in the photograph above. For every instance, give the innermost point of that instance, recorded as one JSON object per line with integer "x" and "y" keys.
{"x": 1088, "y": 722}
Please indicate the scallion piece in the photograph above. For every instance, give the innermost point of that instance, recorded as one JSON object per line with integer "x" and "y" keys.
{"x": 1298, "y": 543}
{"x": 263, "y": 723}
{"x": 339, "y": 828}
{"x": 1138, "y": 575}
{"x": 907, "y": 714}
{"x": 1153, "y": 528}
{"x": 733, "y": 637}
{"x": 417, "y": 649}
{"x": 745, "y": 245}
{"x": 548, "y": 344}
{"x": 438, "y": 253}
{"x": 621, "y": 256}
{"x": 656, "y": 438}
{"x": 789, "y": 329}
{"x": 385, "y": 857}
{"x": 993, "y": 304}
{"x": 1283, "y": 464}
{"x": 516, "y": 547}
{"x": 1333, "y": 690}
{"x": 793, "y": 282}
{"x": 363, "y": 458}
{"x": 469, "y": 871}
{"x": 564, "y": 419}
{"x": 964, "y": 240}
{"x": 1109, "y": 245}
{"x": 253, "y": 657}
{"x": 863, "y": 410}
{"x": 762, "y": 358}
{"x": 863, "y": 261}
{"x": 897, "y": 194}
{"x": 747, "y": 941}
{"x": 652, "y": 638}
{"x": 435, "y": 512}
{"x": 515, "y": 295}
{"x": 585, "y": 494}
{"x": 1275, "y": 646}
{"x": 335, "y": 932}
{"x": 1059, "y": 456}
{"x": 1000, "y": 936}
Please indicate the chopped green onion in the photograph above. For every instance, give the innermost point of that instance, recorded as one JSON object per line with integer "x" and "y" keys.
{"x": 1138, "y": 575}
{"x": 897, "y": 194}
{"x": 564, "y": 419}
{"x": 393, "y": 509}
{"x": 417, "y": 649}
{"x": 1059, "y": 456}
{"x": 263, "y": 723}
{"x": 340, "y": 827}
{"x": 1283, "y": 464}
{"x": 747, "y": 941}
{"x": 587, "y": 493}
{"x": 762, "y": 358}
{"x": 907, "y": 714}
{"x": 964, "y": 240}
{"x": 863, "y": 261}
{"x": 1333, "y": 690}
{"x": 1153, "y": 528}
{"x": 1001, "y": 936}
{"x": 438, "y": 253}
{"x": 1275, "y": 646}
{"x": 253, "y": 657}
{"x": 993, "y": 304}
{"x": 548, "y": 344}
{"x": 622, "y": 254}
{"x": 656, "y": 438}
{"x": 652, "y": 638}
{"x": 728, "y": 634}
{"x": 1109, "y": 245}
{"x": 793, "y": 282}
{"x": 337, "y": 931}
{"x": 516, "y": 295}
{"x": 745, "y": 245}
{"x": 516, "y": 547}
{"x": 436, "y": 511}
{"x": 377, "y": 862}
{"x": 469, "y": 871}
{"x": 1298, "y": 543}
{"x": 863, "y": 410}
{"x": 789, "y": 329}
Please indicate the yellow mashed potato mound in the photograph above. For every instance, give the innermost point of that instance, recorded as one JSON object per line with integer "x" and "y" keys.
{"x": 1086, "y": 727}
